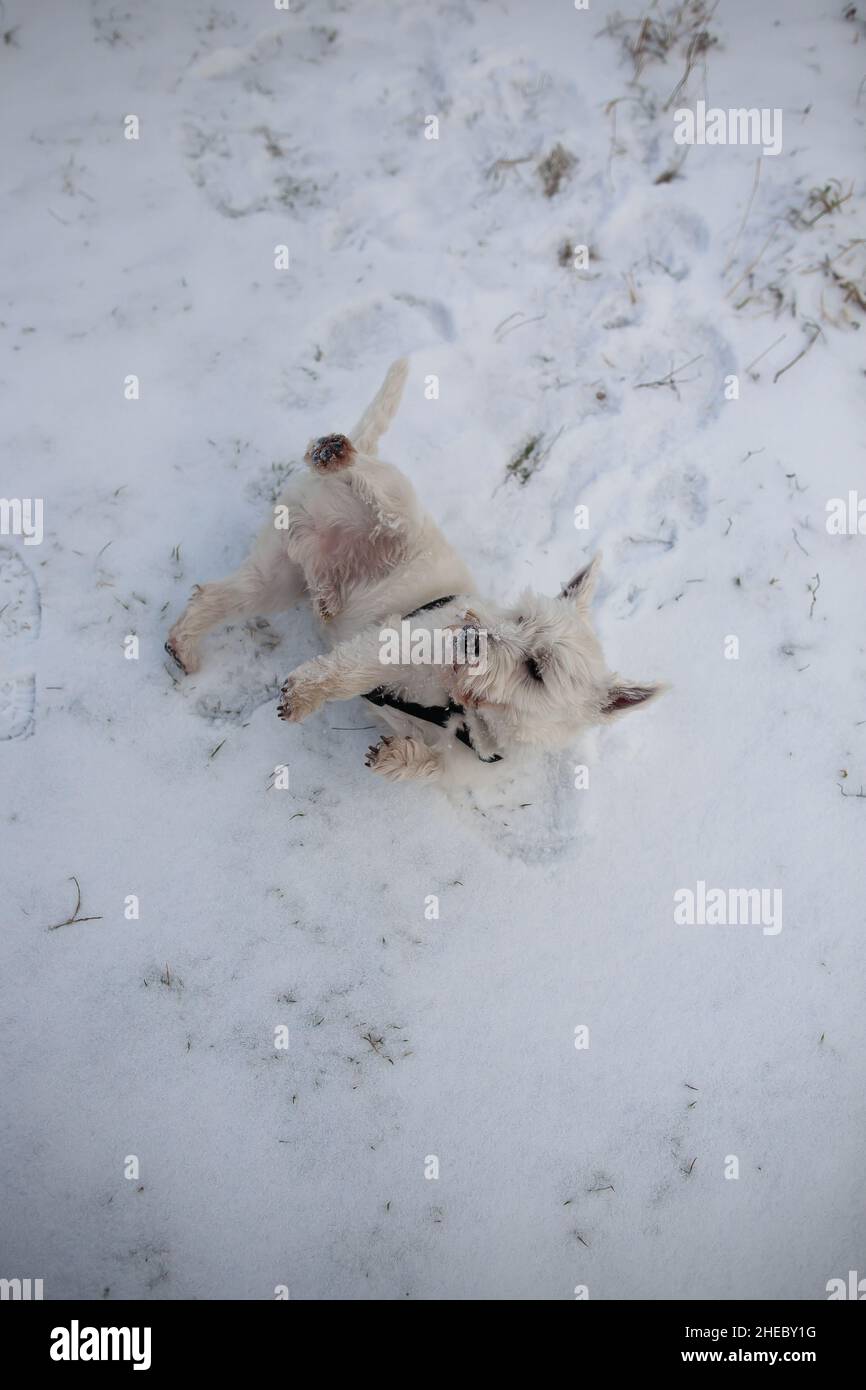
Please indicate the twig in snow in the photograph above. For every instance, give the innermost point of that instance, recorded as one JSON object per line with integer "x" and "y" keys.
{"x": 673, "y": 171}
{"x": 828, "y": 199}
{"x": 505, "y": 321}
{"x": 763, "y": 354}
{"x": 74, "y": 918}
{"x": 652, "y": 540}
{"x": 377, "y": 1044}
{"x": 736, "y": 241}
{"x": 699, "y": 44}
{"x": 818, "y": 333}
{"x": 751, "y": 266}
{"x": 671, "y": 378}
{"x": 524, "y": 321}
{"x": 498, "y": 167}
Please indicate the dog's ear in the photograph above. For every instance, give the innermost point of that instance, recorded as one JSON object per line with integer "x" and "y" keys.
{"x": 621, "y": 696}
{"x": 581, "y": 588}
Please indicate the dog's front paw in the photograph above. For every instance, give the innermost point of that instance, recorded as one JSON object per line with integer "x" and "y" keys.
{"x": 297, "y": 700}
{"x": 288, "y": 705}
{"x": 375, "y": 752}
{"x": 183, "y": 656}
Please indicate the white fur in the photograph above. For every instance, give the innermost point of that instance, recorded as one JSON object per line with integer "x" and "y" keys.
{"x": 360, "y": 546}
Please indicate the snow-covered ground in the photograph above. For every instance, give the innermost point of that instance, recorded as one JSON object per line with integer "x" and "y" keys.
{"x": 412, "y": 1038}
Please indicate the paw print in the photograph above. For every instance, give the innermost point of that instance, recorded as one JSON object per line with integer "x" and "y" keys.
{"x": 20, "y": 618}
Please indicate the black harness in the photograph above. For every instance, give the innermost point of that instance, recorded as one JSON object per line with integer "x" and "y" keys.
{"x": 433, "y": 714}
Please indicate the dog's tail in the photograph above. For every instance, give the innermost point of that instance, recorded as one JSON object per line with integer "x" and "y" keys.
{"x": 381, "y": 410}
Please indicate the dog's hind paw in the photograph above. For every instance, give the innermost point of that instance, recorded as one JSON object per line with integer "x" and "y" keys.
{"x": 401, "y": 758}
{"x": 374, "y": 752}
{"x": 330, "y": 453}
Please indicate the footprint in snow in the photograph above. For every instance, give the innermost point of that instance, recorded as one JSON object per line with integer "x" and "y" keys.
{"x": 20, "y": 618}
{"x": 530, "y": 811}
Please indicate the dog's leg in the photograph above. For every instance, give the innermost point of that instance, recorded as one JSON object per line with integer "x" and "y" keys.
{"x": 382, "y": 409}
{"x": 267, "y": 582}
{"x": 360, "y": 524}
{"x": 357, "y": 525}
{"x": 404, "y": 759}
{"x": 391, "y": 506}
{"x": 351, "y": 668}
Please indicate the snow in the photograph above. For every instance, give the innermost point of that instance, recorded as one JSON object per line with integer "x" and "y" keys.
{"x": 412, "y": 1037}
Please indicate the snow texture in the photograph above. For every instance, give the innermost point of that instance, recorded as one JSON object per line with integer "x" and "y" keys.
{"x": 413, "y": 1037}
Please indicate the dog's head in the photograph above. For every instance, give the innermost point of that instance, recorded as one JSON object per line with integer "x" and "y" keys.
{"x": 543, "y": 677}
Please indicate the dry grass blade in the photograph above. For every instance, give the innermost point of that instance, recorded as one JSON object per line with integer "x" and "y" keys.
{"x": 74, "y": 917}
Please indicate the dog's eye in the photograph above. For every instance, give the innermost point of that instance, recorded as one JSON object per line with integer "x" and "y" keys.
{"x": 534, "y": 669}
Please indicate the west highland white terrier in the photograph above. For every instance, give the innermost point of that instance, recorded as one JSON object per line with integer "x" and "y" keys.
{"x": 351, "y": 534}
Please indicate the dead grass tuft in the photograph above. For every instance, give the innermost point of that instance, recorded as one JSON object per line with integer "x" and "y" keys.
{"x": 554, "y": 169}
{"x": 656, "y": 35}
{"x": 529, "y": 458}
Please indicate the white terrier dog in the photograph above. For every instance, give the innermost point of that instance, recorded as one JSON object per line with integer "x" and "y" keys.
{"x": 356, "y": 540}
